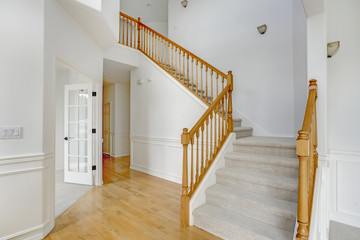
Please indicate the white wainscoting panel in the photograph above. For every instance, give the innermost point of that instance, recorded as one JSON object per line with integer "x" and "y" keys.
{"x": 25, "y": 210}
{"x": 122, "y": 142}
{"x": 157, "y": 156}
{"x": 344, "y": 187}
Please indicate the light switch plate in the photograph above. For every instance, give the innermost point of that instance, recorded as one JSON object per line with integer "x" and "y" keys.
{"x": 10, "y": 132}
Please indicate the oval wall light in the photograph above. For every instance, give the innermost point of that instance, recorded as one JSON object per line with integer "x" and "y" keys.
{"x": 262, "y": 29}
{"x": 332, "y": 48}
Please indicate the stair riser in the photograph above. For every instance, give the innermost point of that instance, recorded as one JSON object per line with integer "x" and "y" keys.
{"x": 280, "y": 152}
{"x": 237, "y": 123}
{"x": 241, "y": 134}
{"x": 224, "y": 231}
{"x": 263, "y": 168}
{"x": 270, "y": 191}
{"x": 252, "y": 209}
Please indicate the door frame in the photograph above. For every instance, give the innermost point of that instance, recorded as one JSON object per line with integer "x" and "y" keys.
{"x": 110, "y": 145}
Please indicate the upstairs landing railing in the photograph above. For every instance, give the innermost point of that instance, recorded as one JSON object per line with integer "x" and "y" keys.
{"x": 203, "y": 142}
{"x": 198, "y": 76}
{"x": 306, "y": 149}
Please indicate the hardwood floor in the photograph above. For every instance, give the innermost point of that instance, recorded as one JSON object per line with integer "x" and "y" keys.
{"x": 131, "y": 205}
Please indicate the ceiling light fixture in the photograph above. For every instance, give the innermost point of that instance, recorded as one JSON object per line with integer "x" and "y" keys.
{"x": 184, "y": 3}
{"x": 262, "y": 29}
{"x": 332, "y": 48}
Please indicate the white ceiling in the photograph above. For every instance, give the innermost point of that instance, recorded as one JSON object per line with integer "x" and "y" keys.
{"x": 148, "y": 10}
{"x": 115, "y": 72}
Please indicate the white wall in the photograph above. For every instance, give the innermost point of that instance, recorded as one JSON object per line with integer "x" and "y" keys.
{"x": 24, "y": 168}
{"x": 343, "y": 110}
{"x": 118, "y": 95}
{"x": 226, "y": 36}
{"x": 299, "y": 63}
{"x": 152, "y": 13}
{"x": 122, "y": 118}
{"x": 110, "y": 11}
{"x": 21, "y": 74}
{"x": 159, "y": 109}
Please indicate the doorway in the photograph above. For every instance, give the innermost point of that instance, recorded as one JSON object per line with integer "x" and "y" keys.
{"x": 74, "y": 143}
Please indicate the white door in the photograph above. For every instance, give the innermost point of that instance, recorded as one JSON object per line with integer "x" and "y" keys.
{"x": 78, "y": 134}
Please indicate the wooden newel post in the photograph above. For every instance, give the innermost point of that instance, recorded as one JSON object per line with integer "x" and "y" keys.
{"x": 139, "y": 28}
{"x": 184, "y": 196}
{"x": 230, "y": 118}
{"x": 302, "y": 150}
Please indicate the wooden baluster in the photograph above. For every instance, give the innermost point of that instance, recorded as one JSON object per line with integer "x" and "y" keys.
{"x": 211, "y": 136}
{"x": 167, "y": 57}
{"x": 212, "y": 98}
{"x": 222, "y": 83}
{"x": 207, "y": 142}
{"x": 127, "y": 32}
{"x": 302, "y": 150}
{"x": 123, "y": 32}
{"x": 201, "y": 74}
{"x": 197, "y": 85}
{"x": 206, "y": 80}
{"x": 172, "y": 59}
{"x": 192, "y": 164}
{"x": 175, "y": 70}
{"x": 131, "y": 28}
{"x": 192, "y": 74}
{"x": 230, "y": 117}
{"x": 119, "y": 28}
{"x": 217, "y": 84}
{"x": 197, "y": 157}
{"x": 219, "y": 125}
{"x": 184, "y": 196}
{"x": 139, "y": 28}
{"x": 179, "y": 69}
{"x": 183, "y": 67}
{"x": 188, "y": 75}
{"x": 215, "y": 131}
{"x": 202, "y": 149}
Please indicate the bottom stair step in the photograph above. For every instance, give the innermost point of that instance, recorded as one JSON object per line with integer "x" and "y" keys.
{"x": 228, "y": 225}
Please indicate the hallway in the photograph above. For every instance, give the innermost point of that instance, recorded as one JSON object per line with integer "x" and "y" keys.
{"x": 130, "y": 205}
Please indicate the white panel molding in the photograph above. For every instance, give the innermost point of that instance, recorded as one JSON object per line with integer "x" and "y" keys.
{"x": 209, "y": 179}
{"x": 168, "y": 168}
{"x": 319, "y": 228}
{"x": 341, "y": 192}
{"x": 23, "y": 164}
{"x": 122, "y": 140}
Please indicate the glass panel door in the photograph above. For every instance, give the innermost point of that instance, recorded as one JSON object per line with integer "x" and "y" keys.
{"x": 78, "y": 139}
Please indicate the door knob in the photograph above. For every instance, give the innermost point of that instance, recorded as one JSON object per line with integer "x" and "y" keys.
{"x": 66, "y": 138}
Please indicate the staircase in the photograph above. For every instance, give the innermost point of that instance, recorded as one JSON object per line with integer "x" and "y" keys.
{"x": 255, "y": 195}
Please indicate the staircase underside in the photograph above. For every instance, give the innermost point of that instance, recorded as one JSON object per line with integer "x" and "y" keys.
{"x": 255, "y": 195}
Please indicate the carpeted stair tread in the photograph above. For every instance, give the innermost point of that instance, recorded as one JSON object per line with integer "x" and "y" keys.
{"x": 243, "y": 129}
{"x": 229, "y": 225}
{"x": 291, "y": 162}
{"x": 277, "y": 142}
{"x": 277, "y": 212}
{"x": 287, "y": 183}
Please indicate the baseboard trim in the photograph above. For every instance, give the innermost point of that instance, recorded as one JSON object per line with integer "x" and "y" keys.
{"x": 156, "y": 173}
{"x": 34, "y": 233}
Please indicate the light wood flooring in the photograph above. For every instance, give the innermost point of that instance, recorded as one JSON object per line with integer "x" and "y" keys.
{"x": 130, "y": 205}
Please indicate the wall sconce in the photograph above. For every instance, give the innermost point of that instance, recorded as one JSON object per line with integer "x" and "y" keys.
{"x": 184, "y": 3}
{"x": 332, "y": 48}
{"x": 262, "y": 29}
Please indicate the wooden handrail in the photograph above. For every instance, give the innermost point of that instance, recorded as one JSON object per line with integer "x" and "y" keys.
{"x": 306, "y": 149}
{"x": 210, "y": 85}
{"x": 201, "y": 78}
{"x": 186, "y": 51}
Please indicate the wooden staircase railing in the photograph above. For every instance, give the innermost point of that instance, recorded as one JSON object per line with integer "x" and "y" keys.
{"x": 306, "y": 149}
{"x": 209, "y": 84}
{"x": 198, "y": 76}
